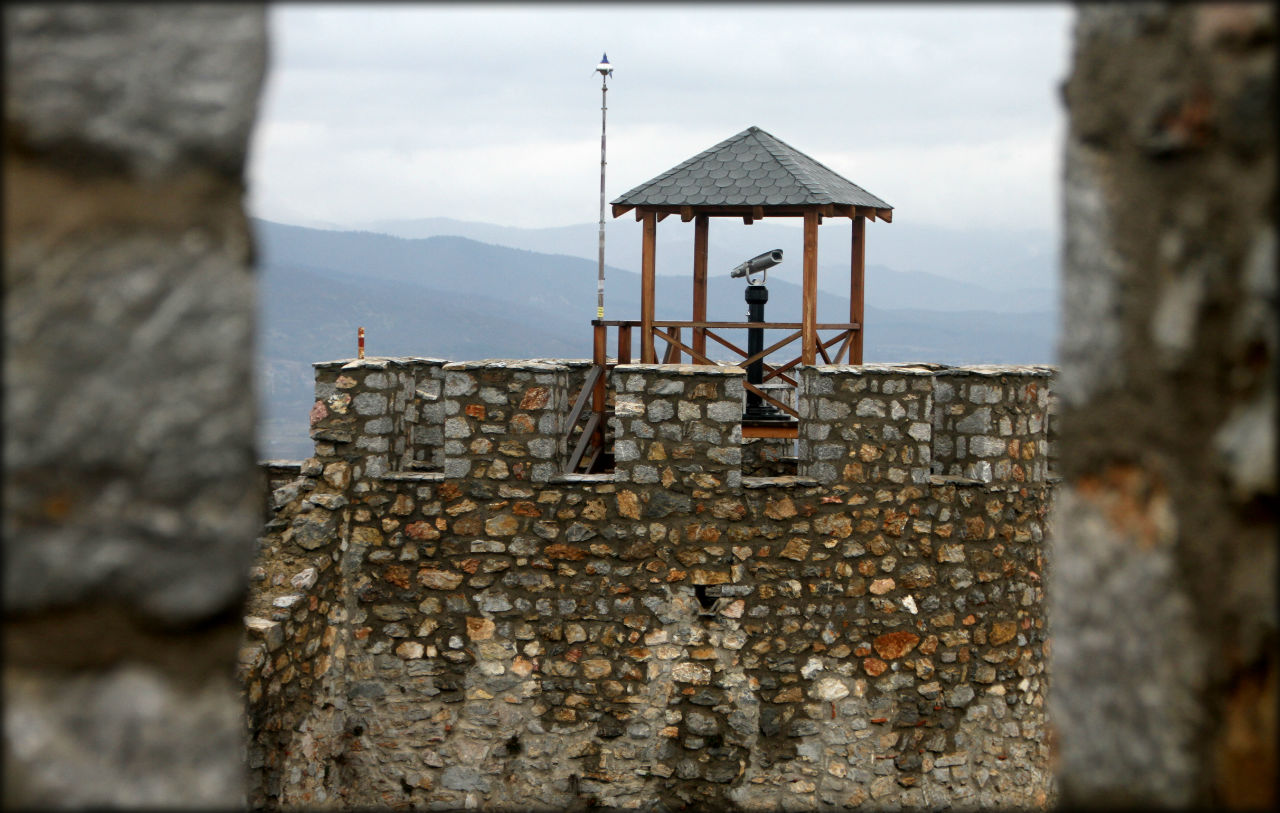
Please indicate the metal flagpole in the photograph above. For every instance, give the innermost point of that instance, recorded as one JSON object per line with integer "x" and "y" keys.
{"x": 606, "y": 70}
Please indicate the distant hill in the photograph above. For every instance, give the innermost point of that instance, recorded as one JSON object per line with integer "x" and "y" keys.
{"x": 985, "y": 269}
{"x": 456, "y": 298}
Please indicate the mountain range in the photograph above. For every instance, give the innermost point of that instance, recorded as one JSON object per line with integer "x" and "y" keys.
{"x": 459, "y": 297}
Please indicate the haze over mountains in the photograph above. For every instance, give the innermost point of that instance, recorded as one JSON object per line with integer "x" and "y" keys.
{"x": 461, "y": 290}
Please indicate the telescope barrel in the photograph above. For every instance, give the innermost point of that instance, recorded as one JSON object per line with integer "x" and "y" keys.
{"x": 758, "y": 263}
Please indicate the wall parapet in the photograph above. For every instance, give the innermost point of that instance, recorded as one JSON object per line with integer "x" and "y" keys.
{"x": 496, "y": 634}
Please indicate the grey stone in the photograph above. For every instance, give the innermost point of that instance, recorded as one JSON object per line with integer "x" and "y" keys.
{"x": 976, "y": 423}
{"x": 870, "y": 408}
{"x": 125, "y": 737}
{"x": 542, "y": 448}
{"x": 457, "y": 383}
{"x": 458, "y": 427}
{"x": 463, "y": 777}
{"x": 658, "y": 411}
{"x": 370, "y": 403}
{"x": 701, "y": 723}
{"x": 831, "y": 410}
{"x": 725, "y": 411}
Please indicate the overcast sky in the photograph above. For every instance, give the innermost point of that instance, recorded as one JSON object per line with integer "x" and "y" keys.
{"x": 491, "y": 112}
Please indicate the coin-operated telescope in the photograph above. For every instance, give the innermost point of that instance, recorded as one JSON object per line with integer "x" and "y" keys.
{"x": 757, "y": 295}
{"x": 759, "y": 264}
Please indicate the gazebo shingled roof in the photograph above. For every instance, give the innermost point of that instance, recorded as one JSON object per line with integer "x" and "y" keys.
{"x": 752, "y": 168}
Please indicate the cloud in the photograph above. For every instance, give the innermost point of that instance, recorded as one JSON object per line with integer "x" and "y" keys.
{"x": 492, "y": 111}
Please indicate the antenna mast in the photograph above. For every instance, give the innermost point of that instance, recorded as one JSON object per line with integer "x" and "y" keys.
{"x": 606, "y": 70}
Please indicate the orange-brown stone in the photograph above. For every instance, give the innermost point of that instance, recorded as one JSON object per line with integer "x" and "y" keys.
{"x": 628, "y": 504}
{"x": 480, "y": 629}
{"x": 439, "y": 579}
{"x": 535, "y": 398}
{"x": 895, "y": 644}
{"x": 561, "y": 551}
{"x": 397, "y": 575}
{"x": 1002, "y": 632}
{"x": 421, "y": 530}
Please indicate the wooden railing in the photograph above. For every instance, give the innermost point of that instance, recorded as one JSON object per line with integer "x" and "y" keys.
{"x": 589, "y": 445}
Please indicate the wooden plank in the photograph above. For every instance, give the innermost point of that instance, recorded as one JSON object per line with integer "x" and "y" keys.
{"x": 672, "y": 356}
{"x": 844, "y": 347}
{"x": 587, "y": 432}
{"x": 769, "y": 371}
{"x": 791, "y": 337}
{"x": 700, "y": 282}
{"x": 647, "y": 268}
{"x": 770, "y": 399}
{"x": 588, "y": 386}
{"x": 809, "y": 304}
{"x": 857, "y": 285}
{"x": 674, "y": 341}
{"x": 728, "y": 343}
{"x": 787, "y": 430}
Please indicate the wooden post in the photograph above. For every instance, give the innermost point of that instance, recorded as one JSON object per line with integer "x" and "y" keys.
{"x": 809, "y": 320}
{"x": 857, "y": 285}
{"x": 647, "y": 273}
{"x": 700, "y": 283}
{"x": 600, "y": 339}
{"x": 624, "y": 343}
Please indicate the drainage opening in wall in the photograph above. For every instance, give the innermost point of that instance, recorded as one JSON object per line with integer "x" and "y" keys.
{"x": 708, "y": 602}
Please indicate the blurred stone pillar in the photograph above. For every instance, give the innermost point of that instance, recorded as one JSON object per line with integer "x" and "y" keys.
{"x": 1163, "y": 569}
{"x": 132, "y": 497}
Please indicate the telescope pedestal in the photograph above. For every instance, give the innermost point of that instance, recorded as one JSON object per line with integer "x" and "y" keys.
{"x": 756, "y": 409}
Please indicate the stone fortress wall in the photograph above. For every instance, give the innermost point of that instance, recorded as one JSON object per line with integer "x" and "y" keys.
{"x": 441, "y": 617}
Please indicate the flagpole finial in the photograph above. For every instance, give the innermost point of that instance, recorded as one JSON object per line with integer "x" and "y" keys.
{"x": 604, "y": 67}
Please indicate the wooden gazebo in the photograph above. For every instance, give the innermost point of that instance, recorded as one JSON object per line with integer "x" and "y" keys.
{"x": 752, "y": 175}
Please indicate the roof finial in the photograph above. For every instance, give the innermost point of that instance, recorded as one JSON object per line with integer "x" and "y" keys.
{"x": 604, "y": 67}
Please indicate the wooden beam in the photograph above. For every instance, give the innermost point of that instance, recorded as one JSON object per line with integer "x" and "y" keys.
{"x": 761, "y": 430}
{"x": 857, "y": 286}
{"x": 662, "y": 216}
{"x": 770, "y": 399}
{"x": 809, "y": 303}
{"x": 773, "y": 348}
{"x": 746, "y": 220}
{"x": 757, "y": 213}
{"x": 640, "y": 213}
{"x": 700, "y": 282}
{"x": 620, "y": 209}
{"x": 673, "y": 341}
{"x": 647, "y": 273}
{"x": 686, "y": 213}
{"x": 672, "y": 356}
{"x": 885, "y": 214}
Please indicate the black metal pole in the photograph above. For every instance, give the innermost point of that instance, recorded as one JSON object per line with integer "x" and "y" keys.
{"x": 756, "y": 409}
